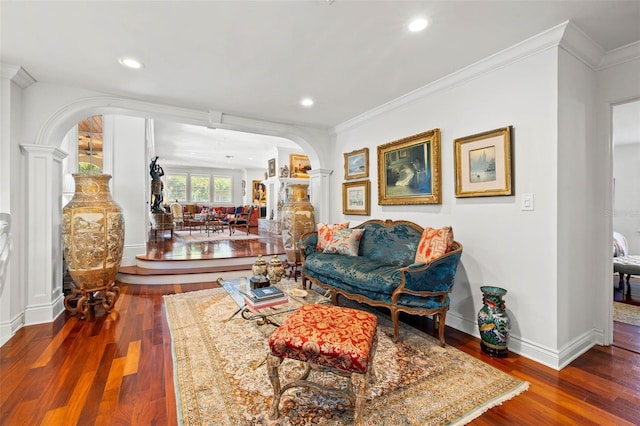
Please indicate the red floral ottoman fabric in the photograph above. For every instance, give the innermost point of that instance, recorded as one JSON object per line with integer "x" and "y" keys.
{"x": 327, "y": 335}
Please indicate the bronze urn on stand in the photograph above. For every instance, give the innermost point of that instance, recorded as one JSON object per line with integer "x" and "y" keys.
{"x": 93, "y": 234}
{"x": 298, "y": 218}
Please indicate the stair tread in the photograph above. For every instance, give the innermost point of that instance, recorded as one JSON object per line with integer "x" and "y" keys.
{"x": 137, "y": 270}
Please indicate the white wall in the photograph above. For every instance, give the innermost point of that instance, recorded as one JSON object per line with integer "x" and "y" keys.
{"x": 626, "y": 210}
{"x": 129, "y": 187}
{"x": 503, "y": 246}
{"x": 576, "y": 139}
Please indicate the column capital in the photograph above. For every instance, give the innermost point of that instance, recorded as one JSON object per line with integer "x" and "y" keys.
{"x": 55, "y": 153}
{"x": 320, "y": 172}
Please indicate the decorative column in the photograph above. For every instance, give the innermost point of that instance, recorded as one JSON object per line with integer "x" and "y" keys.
{"x": 13, "y": 81}
{"x": 43, "y": 192}
{"x": 319, "y": 186}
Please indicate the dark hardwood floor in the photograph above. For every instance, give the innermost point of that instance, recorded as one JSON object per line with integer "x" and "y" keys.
{"x": 116, "y": 369}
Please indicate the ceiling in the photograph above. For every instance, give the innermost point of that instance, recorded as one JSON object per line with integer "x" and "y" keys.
{"x": 257, "y": 59}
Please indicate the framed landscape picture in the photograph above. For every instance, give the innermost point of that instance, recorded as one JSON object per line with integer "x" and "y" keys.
{"x": 356, "y": 197}
{"x": 409, "y": 170}
{"x": 299, "y": 166}
{"x": 356, "y": 164}
{"x": 483, "y": 164}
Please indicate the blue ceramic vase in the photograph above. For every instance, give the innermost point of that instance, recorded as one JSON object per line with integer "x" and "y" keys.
{"x": 493, "y": 322}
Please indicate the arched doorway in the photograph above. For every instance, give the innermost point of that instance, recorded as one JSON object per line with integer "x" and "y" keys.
{"x": 43, "y": 183}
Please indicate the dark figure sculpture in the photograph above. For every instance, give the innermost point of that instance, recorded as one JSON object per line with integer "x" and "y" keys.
{"x": 156, "y": 186}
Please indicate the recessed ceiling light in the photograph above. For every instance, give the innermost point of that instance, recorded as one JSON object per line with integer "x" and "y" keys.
{"x": 306, "y": 102}
{"x": 418, "y": 24}
{"x": 130, "y": 63}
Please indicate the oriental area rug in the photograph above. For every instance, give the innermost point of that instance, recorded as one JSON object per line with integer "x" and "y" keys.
{"x": 628, "y": 314}
{"x": 197, "y": 236}
{"x": 221, "y": 378}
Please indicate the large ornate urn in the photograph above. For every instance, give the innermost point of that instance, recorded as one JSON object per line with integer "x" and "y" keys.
{"x": 297, "y": 218}
{"x": 93, "y": 236}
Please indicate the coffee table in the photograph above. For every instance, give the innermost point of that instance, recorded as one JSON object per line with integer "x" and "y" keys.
{"x": 215, "y": 225}
{"x": 237, "y": 288}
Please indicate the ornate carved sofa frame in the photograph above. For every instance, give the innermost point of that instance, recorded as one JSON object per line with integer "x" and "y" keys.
{"x": 383, "y": 274}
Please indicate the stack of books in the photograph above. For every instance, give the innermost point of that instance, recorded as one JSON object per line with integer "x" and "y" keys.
{"x": 265, "y": 297}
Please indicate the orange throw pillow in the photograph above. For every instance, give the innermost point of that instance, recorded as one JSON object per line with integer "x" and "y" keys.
{"x": 325, "y": 233}
{"x": 434, "y": 244}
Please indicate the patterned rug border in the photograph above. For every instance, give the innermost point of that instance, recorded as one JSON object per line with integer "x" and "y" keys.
{"x": 626, "y": 313}
{"x": 477, "y": 411}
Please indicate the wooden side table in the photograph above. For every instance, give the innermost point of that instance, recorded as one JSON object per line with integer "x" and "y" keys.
{"x": 294, "y": 269}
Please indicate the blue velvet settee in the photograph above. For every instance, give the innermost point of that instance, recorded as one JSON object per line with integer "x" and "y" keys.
{"x": 384, "y": 273}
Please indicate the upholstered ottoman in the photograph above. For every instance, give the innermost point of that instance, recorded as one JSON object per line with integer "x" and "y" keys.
{"x": 629, "y": 265}
{"x": 331, "y": 338}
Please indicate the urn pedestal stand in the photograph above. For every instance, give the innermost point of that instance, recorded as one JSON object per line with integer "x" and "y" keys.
{"x": 93, "y": 233}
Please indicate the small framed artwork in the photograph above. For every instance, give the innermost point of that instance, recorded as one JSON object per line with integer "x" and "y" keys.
{"x": 409, "y": 170}
{"x": 356, "y": 164}
{"x": 259, "y": 193}
{"x": 272, "y": 167}
{"x": 299, "y": 166}
{"x": 356, "y": 197}
{"x": 483, "y": 164}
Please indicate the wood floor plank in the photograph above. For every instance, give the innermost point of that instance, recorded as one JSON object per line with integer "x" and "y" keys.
{"x": 133, "y": 358}
{"x": 56, "y": 416}
{"x": 55, "y": 343}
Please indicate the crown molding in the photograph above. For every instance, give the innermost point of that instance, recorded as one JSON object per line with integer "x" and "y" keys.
{"x": 17, "y": 75}
{"x": 538, "y": 43}
{"x": 620, "y": 55}
{"x": 580, "y": 45}
{"x": 567, "y": 35}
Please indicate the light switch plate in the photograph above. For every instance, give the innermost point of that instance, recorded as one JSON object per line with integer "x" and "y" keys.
{"x": 527, "y": 202}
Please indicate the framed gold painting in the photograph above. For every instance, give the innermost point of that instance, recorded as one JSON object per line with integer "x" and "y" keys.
{"x": 483, "y": 164}
{"x": 409, "y": 170}
{"x": 259, "y": 193}
{"x": 356, "y": 197}
{"x": 356, "y": 164}
{"x": 299, "y": 166}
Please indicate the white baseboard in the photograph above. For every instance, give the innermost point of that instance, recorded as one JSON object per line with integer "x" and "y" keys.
{"x": 544, "y": 355}
{"x": 9, "y": 328}
{"x": 43, "y": 313}
{"x": 130, "y": 252}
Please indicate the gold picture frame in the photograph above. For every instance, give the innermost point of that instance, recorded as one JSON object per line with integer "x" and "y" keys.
{"x": 259, "y": 193}
{"x": 356, "y": 197}
{"x": 409, "y": 170}
{"x": 356, "y": 164}
{"x": 299, "y": 165}
{"x": 483, "y": 164}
